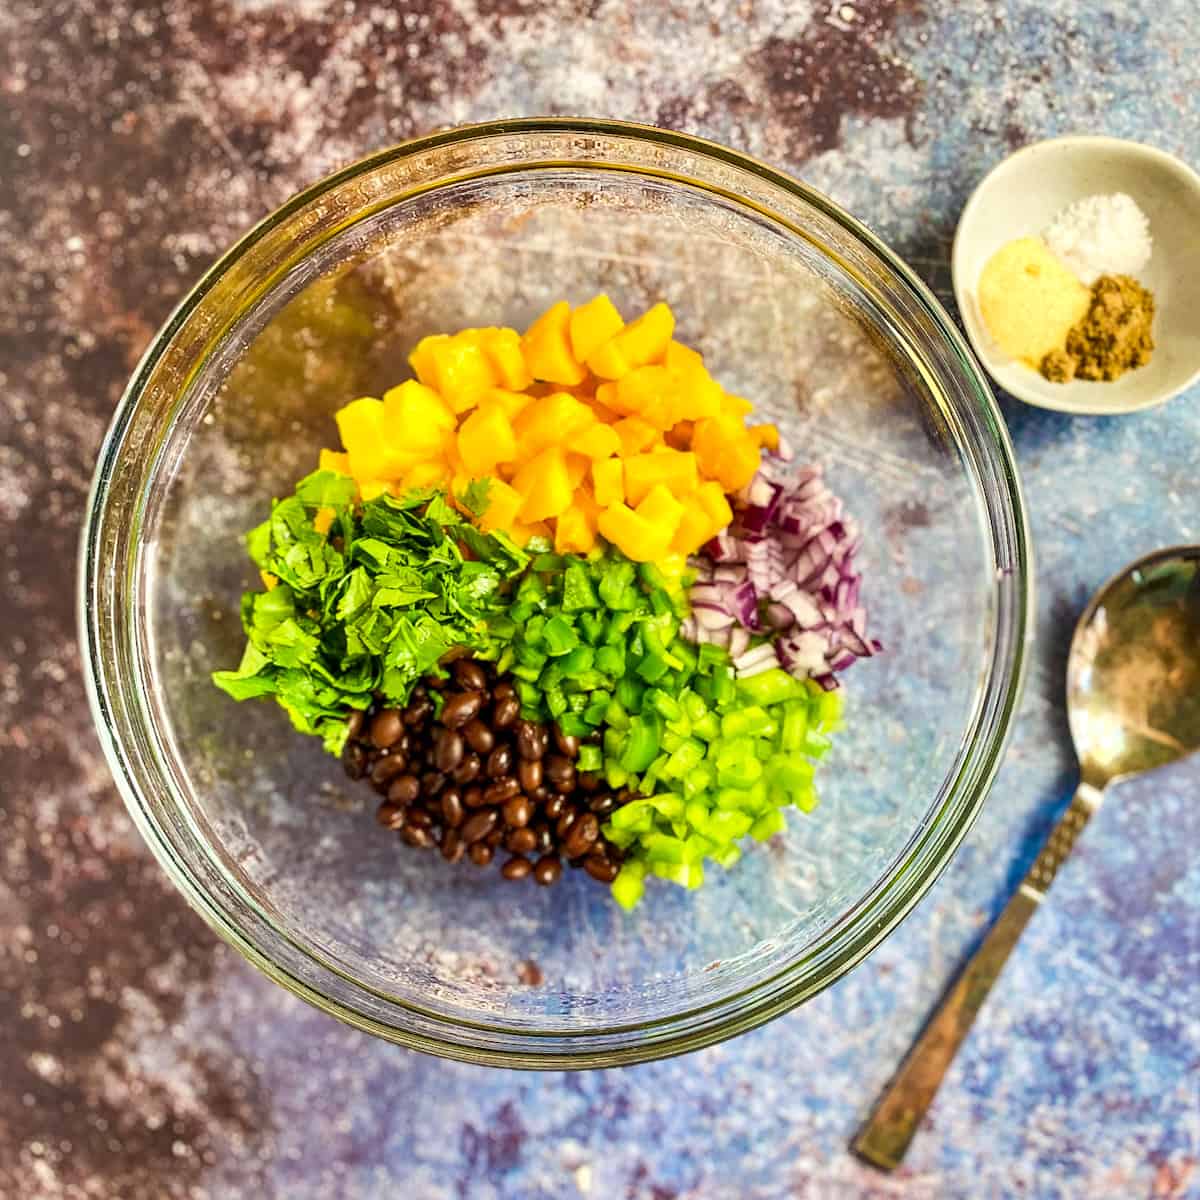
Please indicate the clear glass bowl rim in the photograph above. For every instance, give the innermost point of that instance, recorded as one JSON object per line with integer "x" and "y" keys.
{"x": 853, "y": 937}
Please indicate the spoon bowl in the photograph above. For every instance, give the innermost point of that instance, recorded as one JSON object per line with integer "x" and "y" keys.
{"x": 1133, "y": 673}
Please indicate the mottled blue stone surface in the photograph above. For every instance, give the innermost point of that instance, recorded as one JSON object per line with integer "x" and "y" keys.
{"x": 139, "y": 1058}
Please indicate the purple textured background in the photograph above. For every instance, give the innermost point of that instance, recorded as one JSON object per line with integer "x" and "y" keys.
{"x": 141, "y": 1059}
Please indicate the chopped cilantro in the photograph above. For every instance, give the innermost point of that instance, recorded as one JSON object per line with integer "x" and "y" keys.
{"x": 369, "y": 606}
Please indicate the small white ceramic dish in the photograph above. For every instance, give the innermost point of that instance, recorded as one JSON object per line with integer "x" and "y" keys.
{"x": 1020, "y": 196}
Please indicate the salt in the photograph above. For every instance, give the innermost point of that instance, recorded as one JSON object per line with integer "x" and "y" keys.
{"x": 1101, "y": 235}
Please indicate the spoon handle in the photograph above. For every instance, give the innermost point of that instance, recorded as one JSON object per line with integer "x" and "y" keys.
{"x": 885, "y": 1137}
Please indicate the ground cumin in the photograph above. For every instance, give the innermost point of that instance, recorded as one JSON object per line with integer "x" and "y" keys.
{"x": 1113, "y": 337}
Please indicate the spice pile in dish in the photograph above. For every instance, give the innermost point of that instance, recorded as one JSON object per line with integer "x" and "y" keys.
{"x": 560, "y": 599}
{"x": 1068, "y": 303}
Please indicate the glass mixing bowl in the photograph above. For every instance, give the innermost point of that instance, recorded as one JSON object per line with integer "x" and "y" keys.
{"x": 794, "y": 304}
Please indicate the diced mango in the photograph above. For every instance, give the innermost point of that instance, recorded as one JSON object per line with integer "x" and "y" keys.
{"x": 370, "y": 489}
{"x": 461, "y": 370}
{"x": 553, "y": 420}
{"x": 521, "y": 533}
{"x": 575, "y": 531}
{"x": 486, "y": 438}
{"x": 592, "y": 324}
{"x": 503, "y": 349}
{"x": 323, "y": 518}
{"x": 725, "y": 451}
{"x": 510, "y": 403}
{"x": 425, "y": 474}
{"x": 679, "y": 355}
{"x": 635, "y": 435}
{"x": 714, "y": 504}
{"x": 597, "y": 441}
{"x": 415, "y": 420}
{"x": 364, "y": 434}
{"x": 421, "y": 359}
{"x": 546, "y": 347}
{"x": 577, "y": 469}
{"x": 693, "y": 530}
{"x": 640, "y": 342}
{"x": 545, "y": 485}
{"x": 675, "y": 469}
{"x": 334, "y": 460}
{"x": 736, "y": 406}
{"x": 270, "y": 582}
{"x": 632, "y": 534}
{"x": 661, "y": 510}
{"x": 503, "y": 505}
{"x": 767, "y": 436}
{"x": 608, "y": 478}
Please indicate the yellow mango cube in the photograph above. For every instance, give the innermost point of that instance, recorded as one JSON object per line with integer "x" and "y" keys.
{"x": 545, "y": 485}
{"x": 425, "y": 474}
{"x": 712, "y": 501}
{"x": 421, "y": 358}
{"x": 510, "y": 403}
{"x": 736, "y": 406}
{"x": 694, "y": 529}
{"x": 323, "y": 519}
{"x": 661, "y": 511}
{"x": 364, "y": 434}
{"x": 546, "y": 347}
{"x": 597, "y": 441}
{"x": 631, "y": 533}
{"x": 592, "y": 324}
{"x": 461, "y": 370}
{"x": 504, "y": 503}
{"x": 503, "y": 349}
{"x": 725, "y": 451}
{"x": 416, "y": 420}
{"x": 635, "y": 435}
{"x": 485, "y": 439}
{"x": 574, "y": 531}
{"x": 550, "y": 421}
{"x": 641, "y": 342}
{"x": 767, "y": 436}
{"x": 370, "y": 489}
{"x": 608, "y": 480}
{"x": 334, "y": 460}
{"x": 676, "y": 470}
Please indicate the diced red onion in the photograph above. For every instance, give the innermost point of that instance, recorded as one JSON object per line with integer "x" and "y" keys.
{"x": 785, "y": 566}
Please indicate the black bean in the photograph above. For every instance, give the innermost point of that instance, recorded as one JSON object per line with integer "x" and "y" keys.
{"x": 602, "y": 804}
{"x": 503, "y": 690}
{"x": 354, "y": 723}
{"x": 473, "y": 796}
{"x": 499, "y": 762}
{"x": 354, "y": 760}
{"x": 544, "y": 836}
{"x": 470, "y": 768}
{"x": 540, "y": 794}
{"x": 582, "y": 835}
{"x": 559, "y": 768}
{"x": 404, "y": 790}
{"x": 521, "y": 841}
{"x": 390, "y": 816}
{"x": 567, "y": 743}
{"x": 387, "y": 727}
{"x": 419, "y": 710}
{"x": 480, "y": 854}
{"x": 432, "y": 782}
{"x": 563, "y": 825}
{"x": 516, "y": 868}
{"x": 507, "y": 709}
{"x": 518, "y": 811}
{"x": 553, "y": 808}
{"x": 461, "y": 708}
{"x": 447, "y": 749}
{"x": 420, "y": 838}
{"x": 470, "y": 675}
{"x": 387, "y": 767}
{"x": 501, "y": 790}
{"x": 589, "y": 781}
{"x": 531, "y": 740}
{"x": 479, "y": 736}
{"x": 600, "y": 868}
{"x": 418, "y": 818}
{"x": 529, "y": 772}
{"x": 479, "y": 824}
{"x": 452, "y": 808}
{"x": 547, "y": 870}
{"x": 452, "y": 846}
{"x": 495, "y": 838}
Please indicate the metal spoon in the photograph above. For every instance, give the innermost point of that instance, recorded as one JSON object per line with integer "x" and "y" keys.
{"x": 1133, "y": 704}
